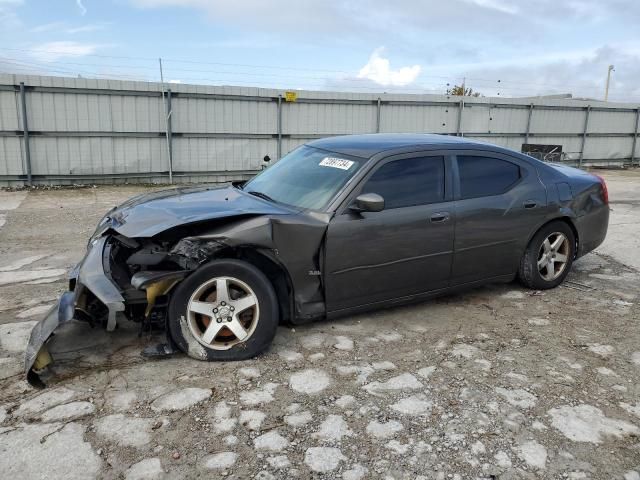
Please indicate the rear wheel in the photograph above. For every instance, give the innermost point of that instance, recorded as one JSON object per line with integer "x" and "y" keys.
{"x": 226, "y": 310}
{"x": 549, "y": 256}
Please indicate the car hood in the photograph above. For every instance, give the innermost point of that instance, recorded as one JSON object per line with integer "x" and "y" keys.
{"x": 152, "y": 213}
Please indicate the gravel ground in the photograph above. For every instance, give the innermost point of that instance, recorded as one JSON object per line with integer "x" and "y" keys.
{"x": 499, "y": 382}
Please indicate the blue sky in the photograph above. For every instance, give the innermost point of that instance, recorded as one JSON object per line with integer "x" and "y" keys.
{"x": 502, "y": 47}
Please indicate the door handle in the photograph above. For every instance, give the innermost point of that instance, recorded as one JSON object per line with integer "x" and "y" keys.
{"x": 439, "y": 217}
{"x": 530, "y": 204}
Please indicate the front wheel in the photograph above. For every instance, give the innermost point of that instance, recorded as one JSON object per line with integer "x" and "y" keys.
{"x": 548, "y": 257}
{"x": 225, "y": 310}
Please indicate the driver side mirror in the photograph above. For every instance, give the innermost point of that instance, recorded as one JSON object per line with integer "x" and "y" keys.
{"x": 368, "y": 202}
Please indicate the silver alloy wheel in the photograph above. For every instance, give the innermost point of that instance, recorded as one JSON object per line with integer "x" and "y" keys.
{"x": 553, "y": 256}
{"x": 223, "y": 312}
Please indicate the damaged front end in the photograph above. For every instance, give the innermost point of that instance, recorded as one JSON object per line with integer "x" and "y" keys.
{"x": 141, "y": 250}
{"x": 88, "y": 279}
{"x": 102, "y": 288}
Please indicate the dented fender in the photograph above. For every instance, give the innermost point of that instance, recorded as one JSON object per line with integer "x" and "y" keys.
{"x": 294, "y": 242}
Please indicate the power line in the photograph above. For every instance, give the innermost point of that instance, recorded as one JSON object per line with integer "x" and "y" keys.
{"x": 34, "y": 67}
{"x": 276, "y": 67}
{"x": 308, "y": 81}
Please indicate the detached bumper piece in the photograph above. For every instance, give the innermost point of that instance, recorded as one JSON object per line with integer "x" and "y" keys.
{"x": 89, "y": 274}
{"x": 36, "y": 356}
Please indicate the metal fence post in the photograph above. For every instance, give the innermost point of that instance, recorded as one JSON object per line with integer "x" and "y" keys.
{"x": 279, "y": 126}
{"x": 25, "y": 133}
{"x": 460, "y": 133}
{"x": 169, "y": 136}
{"x": 378, "y": 116}
{"x": 528, "y": 130}
{"x": 635, "y": 137}
{"x": 584, "y": 134}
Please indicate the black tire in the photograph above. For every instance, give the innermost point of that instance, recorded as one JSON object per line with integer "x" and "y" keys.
{"x": 529, "y": 273}
{"x": 265, "y": 328}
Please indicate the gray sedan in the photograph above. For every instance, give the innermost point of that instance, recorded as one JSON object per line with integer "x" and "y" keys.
{"x": 339, "y": 225}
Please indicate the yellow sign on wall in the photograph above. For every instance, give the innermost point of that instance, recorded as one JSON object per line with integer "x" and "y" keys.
{"x": 290, "y": 96}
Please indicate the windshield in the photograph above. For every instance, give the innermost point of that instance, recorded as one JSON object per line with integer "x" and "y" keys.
{"x": 306, "y": 178}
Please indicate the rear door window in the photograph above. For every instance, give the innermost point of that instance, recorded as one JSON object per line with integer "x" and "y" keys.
{"x": 485, "y": 176}
{"x": 408, "y": 182}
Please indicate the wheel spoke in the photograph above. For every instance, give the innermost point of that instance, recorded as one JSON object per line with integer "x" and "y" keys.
{"x": 542, "y": 263}
{"x": 236, "y": 327}
{"x": 555, "y": 246}
{"x": 222, "y": 290}
{"x": 243, "y": 303}
{"x": 560, "y": 258}
{"x": 203, "y": 308}
{"x": 550, "y": 271}
{"x": 212, "y": 331}
{"x": 552, "y": 268}
{"x": 546, "y": 245}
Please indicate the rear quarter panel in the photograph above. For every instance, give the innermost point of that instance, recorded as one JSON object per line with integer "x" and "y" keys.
{"x": 583, "y": 202}
{"x": 592, "y": 214}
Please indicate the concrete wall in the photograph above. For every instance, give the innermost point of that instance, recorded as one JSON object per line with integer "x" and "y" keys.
{"x": 97, "y": 131}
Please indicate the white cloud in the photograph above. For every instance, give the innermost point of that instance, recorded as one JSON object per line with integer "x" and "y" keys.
{"x": 499, "y": 5}
{"x": 52, "y": 51}
{"x": 46, "y": 27}
{"x": 287, "y": 18}
{"x": 556, "y": 74}
{"x": 83, "y": 10}
{"x": 497, "y": 18}
{"x": 90, "y": 27}
{"x": 175, "y": 81}
{"x": 378, "y": 69}
{"x": 62, "y": 27}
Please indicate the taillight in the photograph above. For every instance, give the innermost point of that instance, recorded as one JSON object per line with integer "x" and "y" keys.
{"x": 605, "y": 190}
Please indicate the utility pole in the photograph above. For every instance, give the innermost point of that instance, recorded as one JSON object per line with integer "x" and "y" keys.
{"x": 464, "y": 83}
{"x": 606, "y": 88}
{"x": 166, "y": 124}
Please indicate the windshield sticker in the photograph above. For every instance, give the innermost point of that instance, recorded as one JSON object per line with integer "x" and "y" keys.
{"x": 340, "y": 163}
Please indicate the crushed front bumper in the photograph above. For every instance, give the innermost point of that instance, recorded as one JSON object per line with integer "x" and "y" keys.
{"x": 89, "y": 274}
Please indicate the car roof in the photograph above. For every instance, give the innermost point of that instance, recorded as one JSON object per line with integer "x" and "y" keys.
{"x": 368, "y": 145}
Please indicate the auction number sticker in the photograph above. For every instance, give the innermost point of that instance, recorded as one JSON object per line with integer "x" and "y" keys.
{"x": 340, "y": 163}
